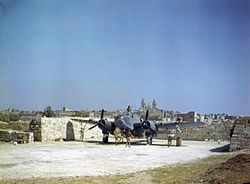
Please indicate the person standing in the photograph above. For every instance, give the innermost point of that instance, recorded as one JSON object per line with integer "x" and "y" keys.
{"x": 82, "y": 132}
{"x": 178, "y": 136}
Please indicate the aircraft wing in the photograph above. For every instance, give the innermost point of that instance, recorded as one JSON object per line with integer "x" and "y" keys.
{"x": 84, "y": 120}
{"x": 172, "y": 125}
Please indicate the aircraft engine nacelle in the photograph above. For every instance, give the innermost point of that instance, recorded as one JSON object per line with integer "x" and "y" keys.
{"x": 149, "y": 125}
{"x": 104, "y": 124}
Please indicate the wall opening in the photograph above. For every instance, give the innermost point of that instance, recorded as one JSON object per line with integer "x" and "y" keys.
{"x": 70, "y": 135}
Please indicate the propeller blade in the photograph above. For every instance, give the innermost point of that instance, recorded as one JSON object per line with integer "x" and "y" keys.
{"x": 93, "y": 127}
{"x": 146, "y": 117}
{"x": 102, "y": 113}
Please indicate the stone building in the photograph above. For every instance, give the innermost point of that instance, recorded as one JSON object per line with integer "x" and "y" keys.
{"x": 154, "y": 105}
{"x": 190, "y": 116}
{"x": 145, "y": 107}
{"x": 143, "y": 104}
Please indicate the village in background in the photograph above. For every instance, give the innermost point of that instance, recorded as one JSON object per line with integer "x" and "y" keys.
{"x": 57, "y": 125}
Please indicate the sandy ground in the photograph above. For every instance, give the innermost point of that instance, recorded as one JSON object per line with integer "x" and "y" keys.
{"x": 91, "y": 158}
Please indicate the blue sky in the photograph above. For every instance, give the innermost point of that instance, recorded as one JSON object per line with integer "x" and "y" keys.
{"x": 188, "y": 55}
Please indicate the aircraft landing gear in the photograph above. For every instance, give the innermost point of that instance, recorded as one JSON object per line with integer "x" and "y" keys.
{"x": 149, "y": 140}
{"x": 105, "y": 138}
{"x": 149, "y": 137}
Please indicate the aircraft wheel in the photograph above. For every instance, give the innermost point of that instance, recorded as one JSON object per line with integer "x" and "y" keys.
{"x": 149, "y": 140}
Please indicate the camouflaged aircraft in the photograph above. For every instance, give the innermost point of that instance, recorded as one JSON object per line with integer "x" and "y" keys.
{"x": 129, "y": 122}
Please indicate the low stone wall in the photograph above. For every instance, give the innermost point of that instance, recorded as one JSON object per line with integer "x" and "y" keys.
{"x": 214, "y": 131}
{"x": 11, "y": 135}
{"x": 241, "y": 135}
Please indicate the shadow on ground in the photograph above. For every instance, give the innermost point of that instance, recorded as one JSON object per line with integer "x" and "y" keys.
{"x": 133, "y": 143}
{"x": 221, "y": 149}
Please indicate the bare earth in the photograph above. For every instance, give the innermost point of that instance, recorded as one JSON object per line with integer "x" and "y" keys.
{"x": 92, "y": 158}
{"x": 234, "y": 170}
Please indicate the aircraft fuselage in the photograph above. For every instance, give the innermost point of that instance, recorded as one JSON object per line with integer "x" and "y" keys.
{"x": 129, "y": 122}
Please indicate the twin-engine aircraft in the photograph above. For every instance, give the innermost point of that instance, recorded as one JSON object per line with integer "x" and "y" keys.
{"x": 129, "y": 122}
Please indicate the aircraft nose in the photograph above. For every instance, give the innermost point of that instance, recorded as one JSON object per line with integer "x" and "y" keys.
{"x": 120, "y": 123}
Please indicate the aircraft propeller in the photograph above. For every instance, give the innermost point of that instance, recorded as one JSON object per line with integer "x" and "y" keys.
{"x": 146, "y": 124}
{"x": 100, "y": 123}
{"x": 102, "y": 113}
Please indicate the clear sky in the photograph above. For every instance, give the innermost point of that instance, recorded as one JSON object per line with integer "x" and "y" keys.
{"x": 190, "y": 55}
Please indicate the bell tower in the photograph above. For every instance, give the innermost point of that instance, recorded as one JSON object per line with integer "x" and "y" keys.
{"x": 154, "y": 105}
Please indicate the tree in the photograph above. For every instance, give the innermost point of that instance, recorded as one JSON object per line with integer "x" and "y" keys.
{"x": 78, "y": 114}
{"x": 48, "y": 112}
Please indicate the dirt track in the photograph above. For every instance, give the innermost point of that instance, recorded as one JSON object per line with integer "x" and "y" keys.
{"x": 92, "y": 158}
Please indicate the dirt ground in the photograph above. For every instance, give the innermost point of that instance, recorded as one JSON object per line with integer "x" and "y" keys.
{"x": 234, "y": 170}
{"x": 182, "y": 173}
{"x": 92, "y": 158}
{"x": 222, "y": 167}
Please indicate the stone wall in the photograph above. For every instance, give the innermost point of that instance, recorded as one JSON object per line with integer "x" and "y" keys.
{"x": 241, "y": 135}
{"x": 12, "y": 135}
{"x": 11, "y": 131}
{"x": 218, "y": 130}
{"x": 65, "y": 129}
